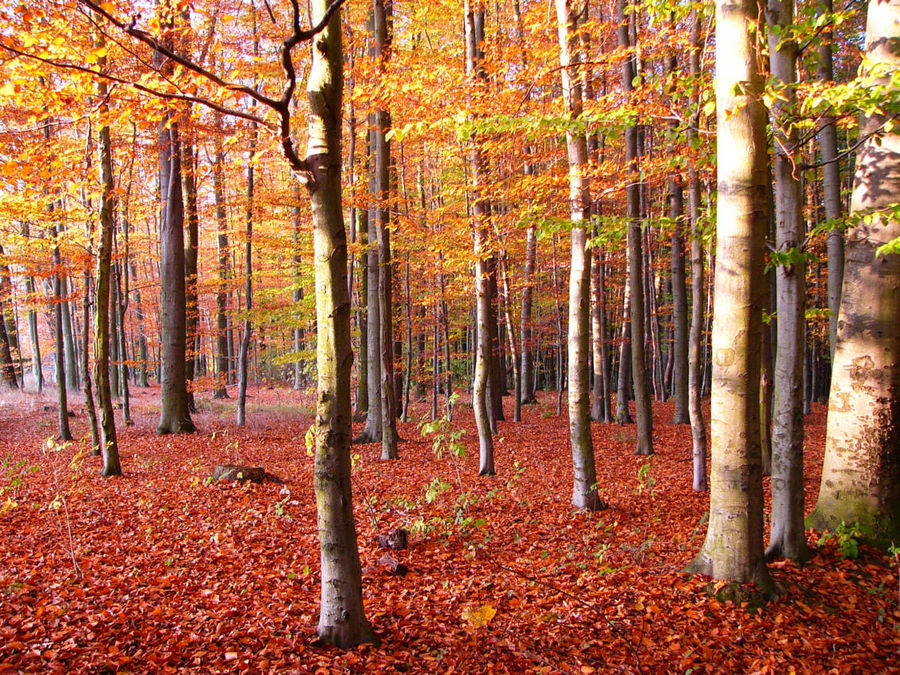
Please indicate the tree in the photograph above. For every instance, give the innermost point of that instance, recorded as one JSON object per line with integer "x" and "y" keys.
{"x": 643, "y": 411}
{"x": 733, "y": 549}
{"x": 584, "y": 489}
{"x": 474, "y": 26}
{"x": 788, "y": 536}
{"x": 861, "y": 474}
{"x": 109, "y": 447}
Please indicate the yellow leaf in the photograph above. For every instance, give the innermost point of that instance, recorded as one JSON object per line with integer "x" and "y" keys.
{"x": 479, "y": 617}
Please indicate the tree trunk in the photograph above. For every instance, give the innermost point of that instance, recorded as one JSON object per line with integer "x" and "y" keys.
{"x": 108, "y": 443}
{"x": 733, "y": 549}
{"x": 222, "y": 351}
{"x": 643, "y": 410}
{"x": 243, "y": 373}
{"x": 788, "y": 535}
{"x": 831, "y": 185}
{"x": 623, "y": 388}
{"x": 64, "y": 433}
{"x": 525, "y": 333}
{"x": 474, "y": 27}
{"x": 192, "y": 319}
{"x": 861, "y": 474}
{"x": 342, "y": 619}
{"x": 175, "y": 417}
{"x": 584, "y": 486}
{"x": 698, "y": 290}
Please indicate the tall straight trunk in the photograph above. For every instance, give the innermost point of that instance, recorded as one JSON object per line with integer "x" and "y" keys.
{"x": 297, "y": 273}
{"x": 363, "y": 402}
{"x": 601, "y": 410}
{"x": 788, "y": 535}
{"x": 679, "y": 355}
{"x": 861, "y": 474}
{"x": 373, "y": 431}
{"x": 643, "y": 410}
{"x": 192, "y": 221}
{"x": 7, "y": 366}
{"x": 108, "y": 443}
{"x": 558, "y": 347}
{"x": 64, "y": 433}
{"x": 623, "y": 385}
{"x": 511, "y": 341}
{"x": 525, "y": 332}
{"x": 698, "y": 291}
{"x": 474, "y": 29}
{"x": 122, "y": 308}
{"x": 831, "y": 185}
{"x": 342, "y": 619}
{"x": 36, "y": 366}
{"x": 143, "y": 352}
{"x": 87, "y": 333}
{"x": 175, "y": 417}
{"x": 407, "y": 377}
{"x": 496, "y": 384}
{"x": 733, "y": 548}
{"x": 222, "y": 349}
{"x": 243, "y": 373}
{"x": 382, "y": 18}
{"x": 72, "y": 383}
{"x": 584, "y": 486}
{"x": 445, "y": 323}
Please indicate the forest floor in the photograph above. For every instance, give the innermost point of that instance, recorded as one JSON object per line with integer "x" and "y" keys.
{"x": 174, "y": 573}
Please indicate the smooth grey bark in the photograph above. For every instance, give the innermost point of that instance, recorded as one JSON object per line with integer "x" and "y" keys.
{"x": 297, "y": 295}
{"x": 175, "y": 415}
{"x": 679, "y": 356}
{"x": 733, "y": 548}
{"x": 623, "y": 384}
{"x": 64, "y": 433}
{"x": 192, "y": 229}
{"x": 831, "y": 184}
{"x": 525, "y": 332}
{"x": 788, "y": 535}
{"x": 474, "y": 27}
{"x": 243, "y": 371}
{"x": 861, "y": 474}
{"x": 36, "y": 366}
{"x": 600, "y": 407}
{"x": 382, "y": 151}
{"x": 698, "y": 289}
{"x": 222, "y": 333}
{"x": 584, "y": 482}
{"x": 511, "y": 340}
{"x": 639, "y": 376}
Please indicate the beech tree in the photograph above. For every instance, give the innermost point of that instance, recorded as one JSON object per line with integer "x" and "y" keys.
{"x": 733, "y": 548}
{"x": 861, "y": 474}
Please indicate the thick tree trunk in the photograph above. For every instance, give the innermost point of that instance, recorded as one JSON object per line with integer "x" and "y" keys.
{"x": 175, "y": 416}
{"x": 342, "y": 619}
{"x": 861, "y": 474}
{"x": 788, "y": 535}
{"x": 733, "y": 549}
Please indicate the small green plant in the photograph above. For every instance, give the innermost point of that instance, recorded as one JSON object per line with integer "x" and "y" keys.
{"x": 894, "y": 551}
{"x": 14, "y": 478}
{"x": 847, "y": 537}
{"x": 645, "y": 480}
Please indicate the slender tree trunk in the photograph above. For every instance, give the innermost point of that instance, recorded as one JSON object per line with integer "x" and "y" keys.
{"x": 584, "y": 487}
{"x": 36, "y": 365}
{"x": 733, "y": 549}
{"x": 192, "y": 220}
{"x": 623, "y": 389}
{"x": 643, "y": 410}
{"x": 222, "y": 350}
{"x": 788, "y": 535}
{"x": 600, "y": 410}
{"x": 64, "y": 433}
{"x": 108, "y": 443}
{"x": 698, "y": 289}
{"x": 86, "y": 358}
{"x": 243, "y": 373}
{"x": 831, "y": 185}
{"x": 474, "y": 28}
{"x": 342, "y": 619}
{"x": 861, "y": 474}
{"x": 511, "y": 341}
{"x": 525, "y": 332}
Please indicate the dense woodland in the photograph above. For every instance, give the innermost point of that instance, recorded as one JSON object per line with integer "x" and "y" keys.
{"x": 455, "y": 264}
